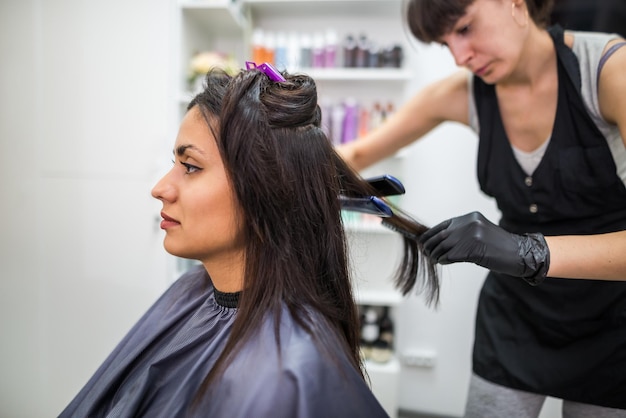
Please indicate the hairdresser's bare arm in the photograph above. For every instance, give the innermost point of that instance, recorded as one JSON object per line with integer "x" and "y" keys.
{"x": 597, "y": 256}
{"x": 588, "y": 257}
{"x": 444, "y": 100}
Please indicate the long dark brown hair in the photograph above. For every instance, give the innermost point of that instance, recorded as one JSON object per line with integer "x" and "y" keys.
{"x": 287, "y": 178}
{"x": 429, "y": 20}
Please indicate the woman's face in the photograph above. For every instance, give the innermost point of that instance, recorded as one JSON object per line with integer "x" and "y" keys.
{"x": 489, "y": 38}
{"x": 201, "y": 216}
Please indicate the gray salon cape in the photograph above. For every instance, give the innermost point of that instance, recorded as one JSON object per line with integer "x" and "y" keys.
{"x": 157, "y": 368}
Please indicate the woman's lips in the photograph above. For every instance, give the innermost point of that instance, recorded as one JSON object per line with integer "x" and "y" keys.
{"x": 168, "y": 222}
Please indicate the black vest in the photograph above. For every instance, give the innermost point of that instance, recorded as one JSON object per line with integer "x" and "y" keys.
{"x": 564, "y": 338}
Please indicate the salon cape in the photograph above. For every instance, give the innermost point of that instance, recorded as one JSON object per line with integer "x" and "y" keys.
{"x": 158, "y": 367}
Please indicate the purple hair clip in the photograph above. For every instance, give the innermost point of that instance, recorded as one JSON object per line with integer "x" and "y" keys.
{"x": 266, "y": 68}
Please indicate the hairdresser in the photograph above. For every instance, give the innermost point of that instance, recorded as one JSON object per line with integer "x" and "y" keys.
{"x": 549, "y": 108}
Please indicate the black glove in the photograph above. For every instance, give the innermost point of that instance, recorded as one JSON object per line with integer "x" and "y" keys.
{"x": 472, "y": 238}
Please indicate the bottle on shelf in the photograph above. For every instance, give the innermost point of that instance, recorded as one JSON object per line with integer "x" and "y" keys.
{"x": 350, "y": 120}
{"x": 270, "y": 47}
{"x": 318, "y": 51}
{"x": 349, "y": 51}
{"x": 373, "y": 55}
{"x": 259, "y": 52}
{"x": 382, "y": 348}
{"x": 336, "y": 123}
{"x": 370, "y": 331}
{"x": 306, "y": 50}
{"x": 362, "y": 51}
{"x": 294, "y": 52}
{"x": 281, "y": 59}
{"x": 330, "y": 49}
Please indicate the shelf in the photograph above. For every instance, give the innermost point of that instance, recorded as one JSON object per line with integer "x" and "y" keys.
{"x": 221, "y": 17}
{"x": 354, "y": 8}
{"x": 378, "y": 297}
{"x": 370, "y": 227}
{"x": 391, "y": 367}
{"x": 341, "y": 74}
{"x": 385, "y": 381}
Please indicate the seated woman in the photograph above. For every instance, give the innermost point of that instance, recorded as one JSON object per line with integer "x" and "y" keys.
{"x": 267, "y": 326}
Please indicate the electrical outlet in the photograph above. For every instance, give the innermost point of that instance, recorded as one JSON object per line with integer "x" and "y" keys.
{"x": 419, "y": 358}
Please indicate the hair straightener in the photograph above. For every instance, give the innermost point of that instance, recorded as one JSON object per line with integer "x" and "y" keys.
{"x": 385, "y": 185}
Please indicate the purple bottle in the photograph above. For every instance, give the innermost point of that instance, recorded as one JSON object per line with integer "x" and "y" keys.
{"x": 318, "y": 51}
{"x": 330, "y": 49}
{"x": 350, "y": 121}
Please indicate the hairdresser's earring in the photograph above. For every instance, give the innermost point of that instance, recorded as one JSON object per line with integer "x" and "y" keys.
{"x": 521, "y": 25}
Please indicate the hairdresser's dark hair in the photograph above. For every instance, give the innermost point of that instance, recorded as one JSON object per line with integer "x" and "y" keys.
{"x": 429, "y": 20}
{"x": 287, "y": 178}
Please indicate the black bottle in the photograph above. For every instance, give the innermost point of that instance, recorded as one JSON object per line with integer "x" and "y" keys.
{"x": 382, "y": 349}
{"x": 370, "y": 331}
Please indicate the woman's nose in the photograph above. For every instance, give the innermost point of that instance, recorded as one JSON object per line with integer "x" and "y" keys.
{"x": 164, "y": 189}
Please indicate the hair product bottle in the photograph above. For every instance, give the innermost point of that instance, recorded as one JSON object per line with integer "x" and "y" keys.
{"x": 280, "y": 52}
{"x": 318, "y": 50}
{"x": 330, "y": 49}
{"x": 349, "y": 52}
{"x": 382, "y": 348}
{"x": 336, "y": 120}
{"x": 306, "y": 50}
{"x": 369, "y": 331}
{"x": 350, "y": 121}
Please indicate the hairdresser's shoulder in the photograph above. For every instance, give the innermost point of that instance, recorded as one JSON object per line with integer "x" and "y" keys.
{"x": 588, "y": 39}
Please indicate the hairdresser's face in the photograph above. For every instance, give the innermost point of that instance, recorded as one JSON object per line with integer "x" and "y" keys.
{"x": 487, "y": 40}
{"x": 199, "y": 207}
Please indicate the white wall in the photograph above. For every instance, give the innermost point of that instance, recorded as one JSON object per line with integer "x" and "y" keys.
{"x": 84, "y": 96}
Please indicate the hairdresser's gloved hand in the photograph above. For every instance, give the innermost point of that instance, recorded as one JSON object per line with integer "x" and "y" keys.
{"x": 472, "y": 238}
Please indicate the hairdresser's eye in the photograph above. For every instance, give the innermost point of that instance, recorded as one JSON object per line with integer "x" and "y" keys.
{"x": 463, "y": 30}
{"x": 190, "y": 168}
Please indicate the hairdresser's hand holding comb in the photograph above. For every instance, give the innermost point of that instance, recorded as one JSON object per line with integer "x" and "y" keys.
{"x": 473, "y": 238}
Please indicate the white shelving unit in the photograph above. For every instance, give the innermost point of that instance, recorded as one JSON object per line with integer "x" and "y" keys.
{"x": 324, "y": 8}
{"x": 221, "y": 17}
{"x": 389, "y": 297}
{"x": 385, "y": 383}
{"x": 227, "y": 26}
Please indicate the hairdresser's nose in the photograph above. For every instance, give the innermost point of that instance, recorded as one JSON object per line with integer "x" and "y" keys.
{"x": 165, "y": 189}
{"x": 461, "y": 50}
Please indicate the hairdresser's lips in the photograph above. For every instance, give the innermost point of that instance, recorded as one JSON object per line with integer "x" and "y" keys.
{"x": 168, "y": 222}
{"x": 481, "y": 71}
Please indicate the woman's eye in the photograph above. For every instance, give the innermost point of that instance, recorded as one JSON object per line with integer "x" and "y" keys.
{"x": 190, "y": 168}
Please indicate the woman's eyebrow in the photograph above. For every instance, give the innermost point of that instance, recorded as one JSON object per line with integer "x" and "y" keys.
{"x": 181, "y": 149}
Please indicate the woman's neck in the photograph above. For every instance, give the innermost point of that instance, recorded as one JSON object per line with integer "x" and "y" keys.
{"x": 226, "y": 275}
